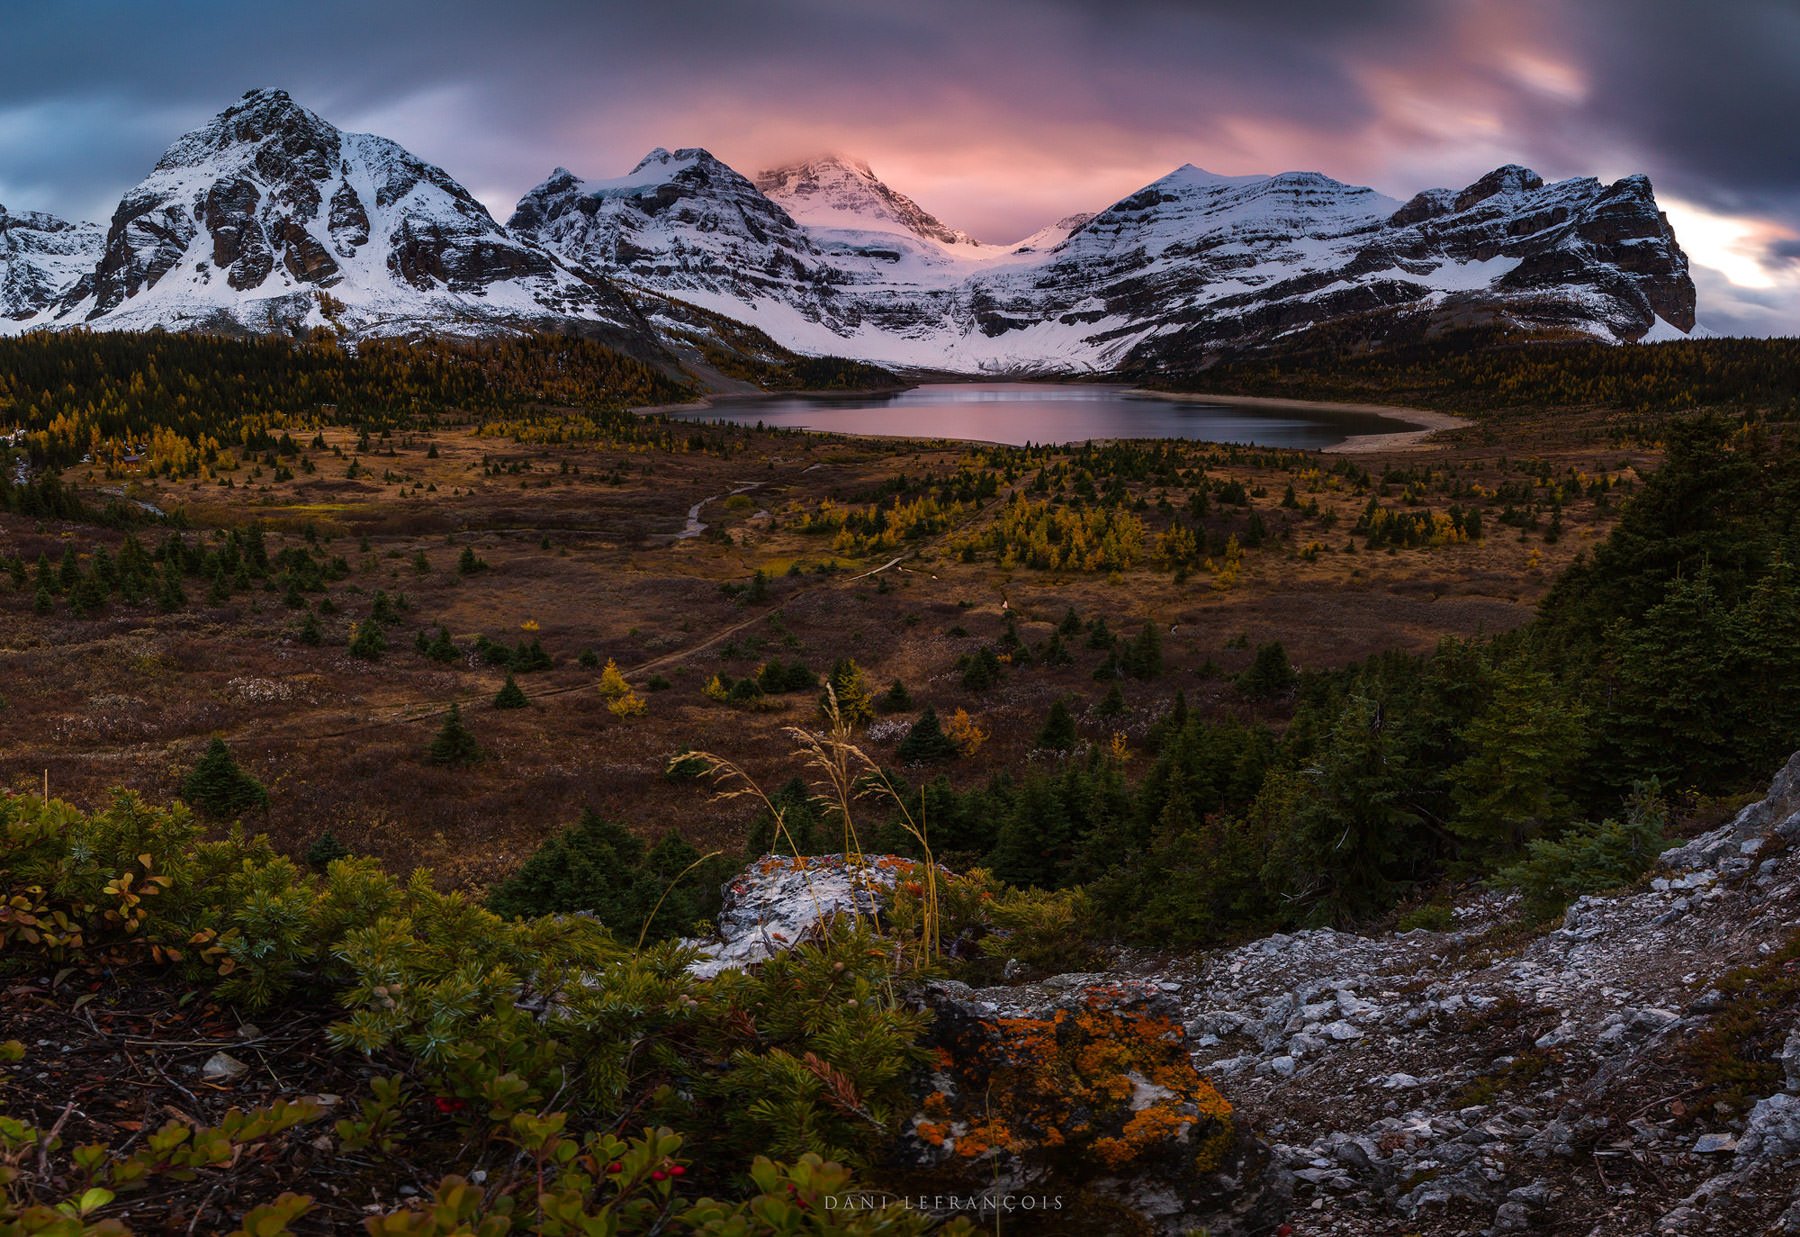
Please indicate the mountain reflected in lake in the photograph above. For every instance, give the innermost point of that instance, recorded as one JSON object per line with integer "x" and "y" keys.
{"x": 1018, "y": 413}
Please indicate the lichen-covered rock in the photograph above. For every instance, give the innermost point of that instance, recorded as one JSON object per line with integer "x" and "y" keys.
{"x": 1084, "y": 1089}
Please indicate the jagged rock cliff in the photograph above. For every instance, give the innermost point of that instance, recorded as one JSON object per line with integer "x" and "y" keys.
{"x": 40, "y": 255}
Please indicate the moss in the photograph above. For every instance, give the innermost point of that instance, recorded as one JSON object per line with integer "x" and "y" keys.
{"x": 1737, "y": 1056}
{"x": 1484, "y": 1089}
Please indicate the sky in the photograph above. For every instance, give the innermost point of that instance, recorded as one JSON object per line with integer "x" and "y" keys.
{"x": 999, "y": 116}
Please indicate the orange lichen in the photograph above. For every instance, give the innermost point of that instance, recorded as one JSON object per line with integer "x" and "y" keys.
{"x": 932, "y": 1132}
{"x": 1104, "y": 1081}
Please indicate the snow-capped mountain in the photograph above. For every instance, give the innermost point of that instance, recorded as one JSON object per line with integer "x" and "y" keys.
{"x": 40, "y": 255}
{"x": 834, "y": 193}
{"x": 1190, "y": 263}
{"x": 271, "y": 219}
{"x": 679, "y": 222}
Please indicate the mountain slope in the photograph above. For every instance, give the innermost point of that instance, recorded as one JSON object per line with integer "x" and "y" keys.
{"x": 271, "y": 219}
{"x": 39, "y": 256}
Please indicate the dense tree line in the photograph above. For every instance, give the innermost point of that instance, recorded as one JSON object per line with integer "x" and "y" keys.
{"x": 1482, "y": 372}
{"x": 186, "y": 398}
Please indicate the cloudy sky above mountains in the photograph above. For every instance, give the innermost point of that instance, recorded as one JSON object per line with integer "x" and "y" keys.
{"x": 998, "y": 117}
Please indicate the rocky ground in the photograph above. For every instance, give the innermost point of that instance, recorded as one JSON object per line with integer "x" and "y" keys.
{"x": 1635, "y": 1070}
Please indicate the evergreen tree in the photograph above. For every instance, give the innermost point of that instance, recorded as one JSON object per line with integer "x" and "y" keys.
{"x": 896, "y": 699}
{"x": 1113, "y": 705}
{"x": 1058, "y": 734}
{"x": 1143, "y": 656}
{"x": 453, "y": 745}
{"x": 926, "y": 740}
{"x": 326, "y": 850}
{"x": 217, "y": 787}
{"x": 1270, "y": 676}
{"x": 591, "y": 866}
{"x": 310, "y": 633}
{"x": 510, "y": 695}
{"x": 369, "y": 641}
{"x": 440, "y": 648}
{"x": 1523, "y": 749}
{"x": 170, "y": 595}
{"x": 1343, "y": 825}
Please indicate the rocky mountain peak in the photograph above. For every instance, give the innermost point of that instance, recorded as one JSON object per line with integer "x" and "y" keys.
{"x": 246, "y": 222}
{"x": 1508, "y": 179}
{"x": 840, "y": 192}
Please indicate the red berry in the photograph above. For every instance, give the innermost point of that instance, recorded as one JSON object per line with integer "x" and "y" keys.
{"x": 658, "y": 1175}
{"x": 615, "y": 1167}
{"x": 678, "y": 1171}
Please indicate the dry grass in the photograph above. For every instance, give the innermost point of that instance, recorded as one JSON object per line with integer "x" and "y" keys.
{"x": 130, "y": 697}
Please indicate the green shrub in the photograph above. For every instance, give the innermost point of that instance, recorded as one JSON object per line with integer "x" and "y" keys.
{"x": 219, "y": 788}
{"x": 510, "y": 695}
{"x": 453, "y": 745}
{"x": 1589, "y": 858}
{"x": 599, "y": 867}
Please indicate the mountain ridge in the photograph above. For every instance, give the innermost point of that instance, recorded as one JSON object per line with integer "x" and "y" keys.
{"x": 268, "y": 218}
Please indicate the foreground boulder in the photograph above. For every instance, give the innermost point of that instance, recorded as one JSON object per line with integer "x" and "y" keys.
{"x": 1080, "y": 1096}
{"x": 778, "y": 901}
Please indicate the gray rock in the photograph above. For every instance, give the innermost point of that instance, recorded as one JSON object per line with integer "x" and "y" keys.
{"x": 1771, "y": 1132}
{"x": 1714, "y": 1144}
{"x": 223, "y": 1067}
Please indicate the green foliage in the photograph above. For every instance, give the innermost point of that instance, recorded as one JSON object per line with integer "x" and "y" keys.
{"x": 453, "y": 745}
{"x": 1589, "y": 858}
{"x": 1479, "y": 371}
{"x": 926, "y": 741}
{"x": 1058, "y": 734}
{"x": 1523, "y": 748}
{"x": 1270, "y": 676}
{"x": 369, "y": 640}
{"x": 896, "y": 699}
{"x": 218, "y": 787}
{"x": 325, "y": 850}
{"x": 510, "y": 695}
{"x": 600, "y": 868}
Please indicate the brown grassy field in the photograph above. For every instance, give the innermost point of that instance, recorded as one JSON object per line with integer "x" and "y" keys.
{"x": 583, "y": 543}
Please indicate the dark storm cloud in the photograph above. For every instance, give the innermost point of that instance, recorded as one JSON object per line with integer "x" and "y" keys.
{"x": 999, "y": 115}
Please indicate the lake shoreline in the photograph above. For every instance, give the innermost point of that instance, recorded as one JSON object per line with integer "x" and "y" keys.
{"x": 1419, "y": 424}
{"x": 714, "y": 398}
{"x": 1425, "y": 421}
